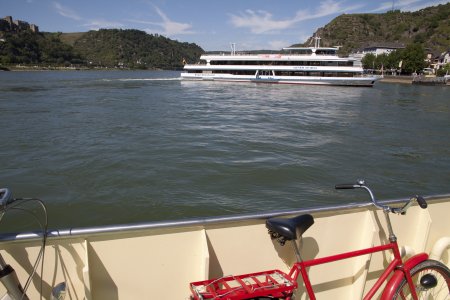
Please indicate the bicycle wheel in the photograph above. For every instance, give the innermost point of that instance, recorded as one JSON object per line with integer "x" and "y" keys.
{"x": 431, "y": 279}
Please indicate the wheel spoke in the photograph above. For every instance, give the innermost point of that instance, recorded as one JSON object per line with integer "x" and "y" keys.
{"x": 435, "y": 284}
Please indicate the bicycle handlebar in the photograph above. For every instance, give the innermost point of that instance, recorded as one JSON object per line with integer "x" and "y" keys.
{"x": 421, "y": 201}
{"x": 397, "y": 210}
{"x": 346, "y": 186}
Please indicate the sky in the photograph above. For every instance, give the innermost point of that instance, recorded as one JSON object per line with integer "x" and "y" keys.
{"x": 211, "y": 24}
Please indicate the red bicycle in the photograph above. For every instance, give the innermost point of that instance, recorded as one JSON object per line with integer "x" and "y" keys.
{"x": 416, "y": 278}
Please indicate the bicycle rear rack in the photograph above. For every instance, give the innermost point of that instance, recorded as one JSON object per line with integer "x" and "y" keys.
{"x": 273, "y": 283}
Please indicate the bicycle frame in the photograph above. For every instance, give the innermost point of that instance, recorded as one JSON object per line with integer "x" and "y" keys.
{"x": 251, "y": 287}
{"x": 396, "y": 265}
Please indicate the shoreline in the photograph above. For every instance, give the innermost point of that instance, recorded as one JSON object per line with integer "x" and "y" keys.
{"x": 401, "y": 79}
{"x": 19, "y": 68}
{"x": 397, "y": 79}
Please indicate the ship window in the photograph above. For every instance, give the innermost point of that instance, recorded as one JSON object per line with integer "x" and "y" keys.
{"x": 345, "y": 74}
{"x": 330, "y": 74}
{"x": 297, "y": 73}
{"x": 329, "y": 63}
{"x": 325, "y": 52}
{"x": 236, "y": 72}
{"x": 300, "y": 51}
{"x": 265, "y": 72}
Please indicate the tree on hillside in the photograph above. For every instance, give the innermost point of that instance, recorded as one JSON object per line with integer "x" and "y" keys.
{"x": 368, "y": 61}
{"x": 394, "y": 59}
{"x": 429, "y": 26}
{"x": 413, "y": 57}
{"x": 131, "y": 48}
{"x": 27, "y": 47}
{"x": 382, "y": 61}
{"x": 56, "y": 52}
{"x": 444, "y": 70}
{"x": 410, "y": 60}
{"x": 19, "y": 48}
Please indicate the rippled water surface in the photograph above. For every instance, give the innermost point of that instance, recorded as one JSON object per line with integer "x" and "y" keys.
{"x": 119, "y": 147}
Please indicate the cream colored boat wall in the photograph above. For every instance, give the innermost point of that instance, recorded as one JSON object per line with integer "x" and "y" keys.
{"x": 159, "y": 263}
{"x": 332, "y": 235}
{"x": 136, "y": 267}
{"x": 440, "y": 227}
{"x": 64, "y": 262}
{"x": 412, "y": 232}
{"x": 242, "y": 250}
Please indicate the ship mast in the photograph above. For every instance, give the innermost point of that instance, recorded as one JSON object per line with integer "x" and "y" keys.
{"x": 317, "y": 41}
{"x": 233, "y": 49}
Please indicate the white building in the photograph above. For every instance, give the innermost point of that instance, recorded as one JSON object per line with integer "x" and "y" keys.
{"x": 443, "y": 59}
{"x": 380, "y": 49}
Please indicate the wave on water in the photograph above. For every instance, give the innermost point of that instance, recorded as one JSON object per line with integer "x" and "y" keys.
{"x": 141, "y": 79}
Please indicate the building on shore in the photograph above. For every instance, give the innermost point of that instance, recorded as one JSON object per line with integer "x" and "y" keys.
{"x": 443, "y": 59}
{"x": 380, "y": 49}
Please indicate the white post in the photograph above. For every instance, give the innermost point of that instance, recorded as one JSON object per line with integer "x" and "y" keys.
{"x": 233, "y": 49}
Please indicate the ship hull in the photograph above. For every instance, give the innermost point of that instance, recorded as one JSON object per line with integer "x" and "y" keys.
{"x": 364, "y": 81}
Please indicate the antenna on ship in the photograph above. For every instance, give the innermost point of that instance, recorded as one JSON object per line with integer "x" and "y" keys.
{"x": 317, "y": 41}
{"x": 233, "y": 48}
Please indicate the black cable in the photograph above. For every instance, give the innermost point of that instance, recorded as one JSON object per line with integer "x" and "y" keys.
{"x": 41, "y": 255}
{"x": 15, "y": 205}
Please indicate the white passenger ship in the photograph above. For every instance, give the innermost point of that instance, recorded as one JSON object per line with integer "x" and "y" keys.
{"x": 305, "y": 65}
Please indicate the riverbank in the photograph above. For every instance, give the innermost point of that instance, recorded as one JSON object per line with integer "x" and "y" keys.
{"x": 424, "y": 80}
{"x": 387, "y": 78}
{"x": 397, "y": 79}
{"x": 41, "y": 68}
{"x": 415, "y": 80}
{"x": 77, "y": 68}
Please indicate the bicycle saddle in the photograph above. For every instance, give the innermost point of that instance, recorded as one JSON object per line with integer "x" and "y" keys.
{"x": 290, "y": 228}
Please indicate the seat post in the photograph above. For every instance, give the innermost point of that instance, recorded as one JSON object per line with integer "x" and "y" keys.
{"x": 297, "y": 252}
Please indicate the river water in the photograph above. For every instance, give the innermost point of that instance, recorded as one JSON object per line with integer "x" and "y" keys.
{"x": 116, "y": 147}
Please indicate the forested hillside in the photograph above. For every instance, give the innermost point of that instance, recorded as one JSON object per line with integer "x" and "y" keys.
{"x": 429, "y": 27}
{"x": 134, "y": 49}
{"x": 104, "y": 48}
{"x": 27, "y": 47}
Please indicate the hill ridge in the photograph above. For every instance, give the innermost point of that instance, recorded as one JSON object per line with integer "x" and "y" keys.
{"x": 109, "y": 48}
{"x": 429, "y": 26}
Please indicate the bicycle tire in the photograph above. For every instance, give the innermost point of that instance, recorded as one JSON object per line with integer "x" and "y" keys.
{"x": 440, "y": 291}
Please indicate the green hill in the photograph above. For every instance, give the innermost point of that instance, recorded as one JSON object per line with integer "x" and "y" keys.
{"x": 429, "y": 27}
{"x": 71, "y": 37}
{"x": 31, "y": 48}
{"x": 104, "y": 48}
{"x": 132, "y": 48}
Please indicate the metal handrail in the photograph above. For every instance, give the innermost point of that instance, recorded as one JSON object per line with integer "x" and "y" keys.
{"x": 197, "y": 222}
